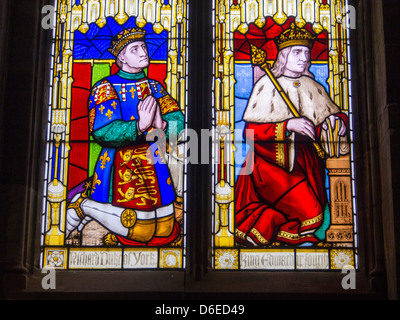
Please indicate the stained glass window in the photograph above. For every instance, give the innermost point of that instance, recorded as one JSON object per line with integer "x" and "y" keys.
{"x": 114, "y": 195}
{"x": 283, "y": 173}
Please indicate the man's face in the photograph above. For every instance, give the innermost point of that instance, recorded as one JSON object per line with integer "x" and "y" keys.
{"x": 298, "y": 59}
{"x": 135, "y": 57}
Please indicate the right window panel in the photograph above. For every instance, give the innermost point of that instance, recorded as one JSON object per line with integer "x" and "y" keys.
{"x": 283, "y": 170}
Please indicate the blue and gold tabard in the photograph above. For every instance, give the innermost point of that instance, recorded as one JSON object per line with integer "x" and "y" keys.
{"x": 130, "y": 172}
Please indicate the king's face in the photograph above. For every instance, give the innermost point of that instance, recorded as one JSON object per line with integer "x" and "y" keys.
{"x": 298, "y": 59}
{"x": 135, "y": 57}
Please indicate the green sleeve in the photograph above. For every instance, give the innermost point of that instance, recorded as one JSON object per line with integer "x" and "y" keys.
{"x": 175, "y": 123}
{"x": 116, "y": 134}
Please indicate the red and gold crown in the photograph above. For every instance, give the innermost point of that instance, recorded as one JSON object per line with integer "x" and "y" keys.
{"x": 122, "y": 39}
{"x": 295, "y": 36}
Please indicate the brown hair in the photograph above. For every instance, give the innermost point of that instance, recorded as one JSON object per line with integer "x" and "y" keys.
{"x": 117, "y": 61}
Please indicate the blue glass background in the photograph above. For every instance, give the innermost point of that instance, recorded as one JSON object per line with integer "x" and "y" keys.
{"x": 95, "y": 42}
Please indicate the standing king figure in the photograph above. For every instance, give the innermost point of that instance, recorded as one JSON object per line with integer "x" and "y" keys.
{"x": 131, "y": 192}
{"x": 284, "y": 198}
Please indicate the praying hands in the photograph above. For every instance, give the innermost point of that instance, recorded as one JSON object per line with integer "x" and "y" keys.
{"x": 150, "y": 115}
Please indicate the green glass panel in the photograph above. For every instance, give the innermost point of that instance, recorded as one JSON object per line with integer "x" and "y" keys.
{"x": 99, "y": 71}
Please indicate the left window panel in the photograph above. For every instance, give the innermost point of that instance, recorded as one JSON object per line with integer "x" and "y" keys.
{"x": 114, "y": 184}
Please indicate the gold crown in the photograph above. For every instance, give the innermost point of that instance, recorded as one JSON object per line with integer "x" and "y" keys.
{"x": 122, "y": 39}
{"x": 295, "y": 36}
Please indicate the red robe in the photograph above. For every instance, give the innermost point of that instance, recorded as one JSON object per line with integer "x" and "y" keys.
{"x": 274, "y": 203}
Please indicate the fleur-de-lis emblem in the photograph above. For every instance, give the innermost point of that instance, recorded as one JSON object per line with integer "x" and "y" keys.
{"x": 104, "y": 159}
{"x": 101, "y": 109}
{"x": 109, "y": 114}
{"x": 132, "y": 91}
{"x": 96, "y": 182}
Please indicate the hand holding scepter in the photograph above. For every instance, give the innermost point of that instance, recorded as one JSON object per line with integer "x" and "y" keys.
{"x": 259, "y": 58}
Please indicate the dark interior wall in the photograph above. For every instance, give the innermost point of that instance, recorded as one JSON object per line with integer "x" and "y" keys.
{"x": 369, "y": 191}
{"x": 25, "y": 50}
{"x": 378, "y": 137}
{"x": 3, "y": 50}
{"x": 23, "y": 88}
{"x": 390, "y": 137}
{"x": 17, "y": 124}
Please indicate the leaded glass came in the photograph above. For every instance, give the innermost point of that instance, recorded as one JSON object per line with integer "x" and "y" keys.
{"x": 114, "y": 199}
{"x": 283, "y": 104}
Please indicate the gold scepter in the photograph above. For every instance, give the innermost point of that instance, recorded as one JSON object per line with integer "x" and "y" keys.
{"x": 259, "y": 58}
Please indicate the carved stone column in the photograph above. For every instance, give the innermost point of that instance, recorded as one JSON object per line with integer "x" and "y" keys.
{"x": 341, "y": 229}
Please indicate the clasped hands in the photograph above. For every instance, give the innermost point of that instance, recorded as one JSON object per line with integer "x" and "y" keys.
{"x": 305, "y": 127}
{"x": 149, "y": 112}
